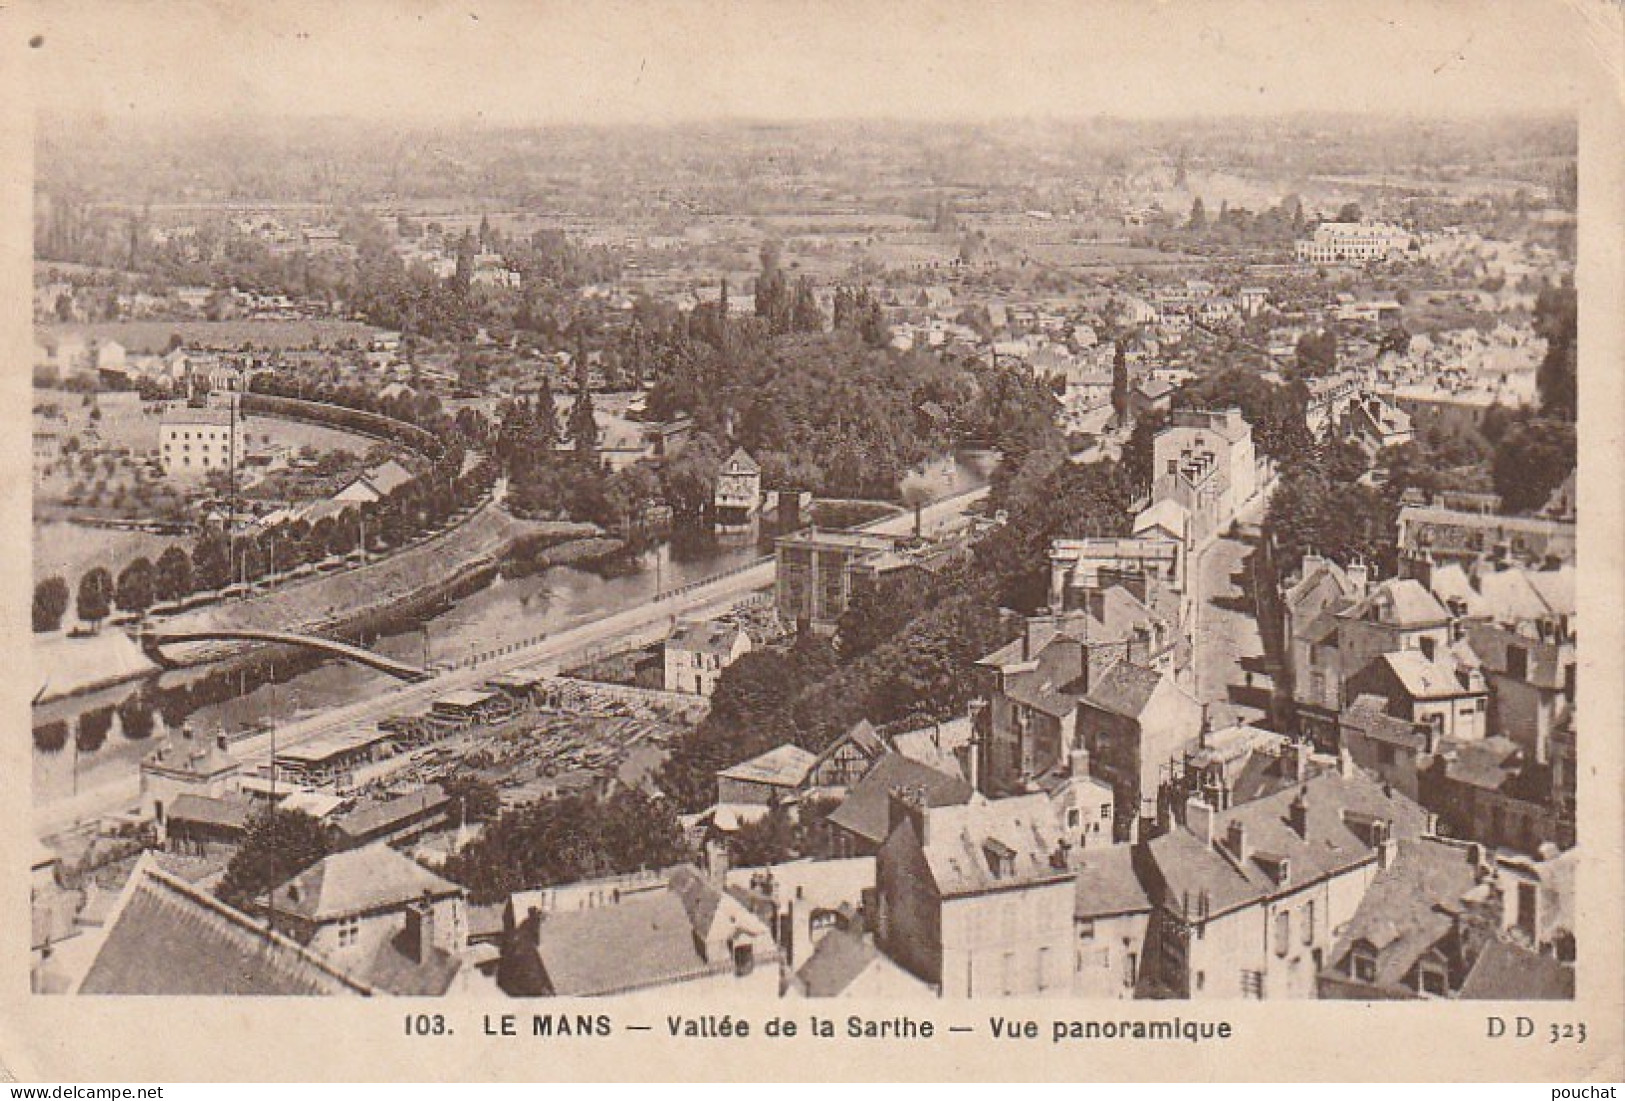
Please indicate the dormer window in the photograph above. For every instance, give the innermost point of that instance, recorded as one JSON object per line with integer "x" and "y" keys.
{"x": 1001, "y": 858}
{"x": 1362, "y": 962}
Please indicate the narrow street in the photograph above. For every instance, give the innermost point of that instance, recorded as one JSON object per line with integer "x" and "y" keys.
{"x": 1232, "y": 677}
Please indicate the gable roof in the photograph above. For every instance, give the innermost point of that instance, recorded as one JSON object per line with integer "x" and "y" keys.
{"x": 1400, "y": 602}
{"x": 866, "y": 810}
{"x": 165, "y": 936}
{"x": 740, "y": 462}
{"x": 840, "y": 958}
{"x": 1421, "y": 677}
{"x": 357, "y": 881}
{"x": 935, "y": 746}
{"x": 1125, "y": 689}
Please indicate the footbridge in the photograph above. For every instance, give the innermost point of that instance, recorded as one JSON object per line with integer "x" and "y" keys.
{"x": 154, "y": 639}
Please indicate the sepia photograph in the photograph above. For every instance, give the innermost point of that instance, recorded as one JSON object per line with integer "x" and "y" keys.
{"x": 757, "y": 504}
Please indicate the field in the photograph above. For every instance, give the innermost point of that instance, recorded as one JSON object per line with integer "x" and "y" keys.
{"x": 152, "y": 337}
{"x": 68, "y": 550}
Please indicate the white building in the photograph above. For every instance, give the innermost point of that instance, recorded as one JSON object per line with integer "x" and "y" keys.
{"x": 194, "y": 442}
{"x": 1340, "y": 242}
{"x": 697, "y": 653}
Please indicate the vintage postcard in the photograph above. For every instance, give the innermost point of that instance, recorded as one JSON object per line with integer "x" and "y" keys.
{"x": 840, "y": 540}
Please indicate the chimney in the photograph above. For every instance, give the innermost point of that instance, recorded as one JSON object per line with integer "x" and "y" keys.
{"x": 800, "y": 922}
{"x": 907, "y": 803}
{"x": 1199, "y": 819}
{"x": 1236, "y": 841}
{"x": 220, "y": 741}
{"x": 1359, "y": 578}
{"x": 1297, "y": 813}
{"x": 1387, "y": 852}
{"x": 419, "y": 939}
{"x": 1079, "y": 762}
{"x": 1300, "y": 761}
{"x": 1345, "y": 763}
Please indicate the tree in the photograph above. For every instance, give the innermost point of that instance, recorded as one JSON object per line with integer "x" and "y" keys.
{"x": 50, "y": 603}
{"x": 1531, "y": 461}
{"x": 1119, "y": 384}
{"x": 771, "y": 839}
{"x": 1556, "y": 319}
{"x": 210, "y": 567}
{"x": 1350, "y": 212}
{"x": 478, "y": 799}
{"x": 92, "y": 729}
{"x": 279, "y": 845}
{"x": 95, "y": 596}
{"x": 135, "y": 717}
{"x": 135, "y": 586}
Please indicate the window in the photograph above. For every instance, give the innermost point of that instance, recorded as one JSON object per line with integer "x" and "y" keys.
{"x": 1007, "y": 971}
{"x": 1427, "y": 648}
{"x": 1309, "y": 922}
{"x": 1131, "y": 969}
{"x": 349, "y": 931}
{"x": 1105, "y": 812}
{"x": 1363, "y": 962}
{"x": 1086, "y": 930}
{"x": 1072, "y": 818}
{"x": 1044, "y": 976}
{"x": 1283, "y": 932}
{"x": 1431, "y": 978}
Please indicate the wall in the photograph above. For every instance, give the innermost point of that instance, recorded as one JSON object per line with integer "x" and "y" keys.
{"x": 1009, "y": 943}
{"x": 1102, "y": 963}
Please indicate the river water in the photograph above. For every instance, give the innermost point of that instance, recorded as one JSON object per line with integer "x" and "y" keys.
{"x": 87, "y": 750}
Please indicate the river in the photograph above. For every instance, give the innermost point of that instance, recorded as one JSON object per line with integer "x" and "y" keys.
{"x": 90, "y": 747}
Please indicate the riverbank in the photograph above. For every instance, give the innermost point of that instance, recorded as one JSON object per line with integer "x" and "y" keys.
{"x": 362, "y": 602}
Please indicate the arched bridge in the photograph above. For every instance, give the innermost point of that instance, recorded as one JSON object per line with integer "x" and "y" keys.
{"x": 153, "y": 641}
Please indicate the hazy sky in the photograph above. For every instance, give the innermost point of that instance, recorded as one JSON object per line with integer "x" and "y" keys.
{"x": 615, "y": 61}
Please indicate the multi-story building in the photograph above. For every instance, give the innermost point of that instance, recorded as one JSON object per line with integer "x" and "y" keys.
{"x": 695, "y": 654}
{"x": 1206, "y": 461}
{"x": 195, "y": 442}
{"x": 1249, "y": 900}
{"x": 978, "y": 900}
{"x": 1344, "y": 242}
{"x": 738, "y": 498}
{"x": 817, "y": 572}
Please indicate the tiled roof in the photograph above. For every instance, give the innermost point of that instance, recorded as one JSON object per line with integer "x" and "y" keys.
{"x": 166, "y": 937}
{"x": 1489, "y": 764}
{"x": 1401, "y": 602}
{"x": 964, "y": 843}
{"x": 225, "y": 813}
{"x": 866, "y": 811}
{"x": 394, "y": 969}
{"x": 1409, "y": 906}
{"x": 705, "y": 637}
{"x": 374, "y": 877}
{"x": 1125, "y": 689}
{"x": 1334, "y": 841}
{"x": 1107, "y": 883}
{"x": 1421, "y": 677}
{"x": 1509, "y": 972}
{"x": 375, "y": 818}
{"x": 783, "y": 766}
{"x": 1367, "y": 715}
{"x": 835, "y": 965}
{"x": 935, "y": 746}
{"x": 643, "y": 941}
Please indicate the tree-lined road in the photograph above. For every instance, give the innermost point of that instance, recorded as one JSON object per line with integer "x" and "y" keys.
{"x": 626, "y": 629}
